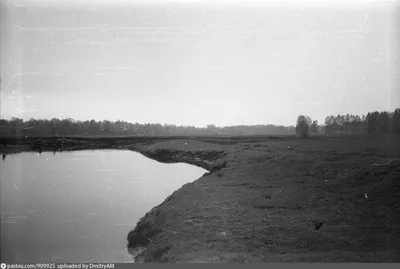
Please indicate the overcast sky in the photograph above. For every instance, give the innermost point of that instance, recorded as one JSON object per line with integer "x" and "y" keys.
{"x": 198, "y": 62}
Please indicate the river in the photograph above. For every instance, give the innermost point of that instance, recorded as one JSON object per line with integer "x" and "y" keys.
{"x": 79, "y": 206}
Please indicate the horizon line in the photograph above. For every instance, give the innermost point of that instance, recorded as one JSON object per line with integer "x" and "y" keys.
{"x": 157, "y": 123}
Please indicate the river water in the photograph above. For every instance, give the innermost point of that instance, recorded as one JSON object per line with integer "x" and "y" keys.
{"x": 79, "y": 206}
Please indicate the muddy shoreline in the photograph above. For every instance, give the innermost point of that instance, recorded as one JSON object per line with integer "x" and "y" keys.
{"x": 149, "y": 225}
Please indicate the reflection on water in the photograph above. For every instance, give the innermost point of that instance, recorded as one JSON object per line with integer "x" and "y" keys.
{"x": 79, "y": 206}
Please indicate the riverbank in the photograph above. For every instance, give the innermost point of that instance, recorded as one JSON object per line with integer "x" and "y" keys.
{"x": 321, "y": 200}
{"x": 269, "y": 200}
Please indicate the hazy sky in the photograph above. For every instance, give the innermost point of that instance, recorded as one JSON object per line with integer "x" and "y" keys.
{"x": 198, "y": 62}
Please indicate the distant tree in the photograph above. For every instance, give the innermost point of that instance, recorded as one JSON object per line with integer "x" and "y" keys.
{"x": 303, "y": 125}
{"x": 383, "y": 122}
{"x": 118, "y": 126}
{"x": 396, "y": 121}
{"x": 106, "y": 126}
{"x": 211, "y": 129}
{"x": 15, "y": 126}
{"x": 66, "y": 126}
{"x": 356, "y": 124}
{"x": 314, "y": 127}
{"x": 93, "y": 127}
{"x": 54, "y": 125}
{"x": 328, "y": 124}
{"x": 372, "y": 122}
{"x": 321, "y": 129}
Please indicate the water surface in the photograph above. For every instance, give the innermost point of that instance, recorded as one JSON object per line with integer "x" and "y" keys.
{"x": 79, "y": 206}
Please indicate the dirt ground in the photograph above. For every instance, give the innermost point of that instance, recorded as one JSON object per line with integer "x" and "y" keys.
{"x": 268, "y": 199}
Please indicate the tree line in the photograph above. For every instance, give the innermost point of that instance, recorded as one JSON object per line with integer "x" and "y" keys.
{"x": 16, "y": 127}
{"x": 373, "y": 123}
{"x": 383, "y": 122}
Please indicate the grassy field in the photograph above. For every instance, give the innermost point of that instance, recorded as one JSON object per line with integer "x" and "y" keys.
{"x": 281, "y": 200}
{"x": 267, "y": 199}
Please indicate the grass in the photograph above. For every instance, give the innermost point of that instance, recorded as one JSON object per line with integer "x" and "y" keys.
{"x": 315, "y": 203}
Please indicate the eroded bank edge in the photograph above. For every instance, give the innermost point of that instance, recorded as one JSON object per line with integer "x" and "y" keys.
{"x": 151, "y": 224}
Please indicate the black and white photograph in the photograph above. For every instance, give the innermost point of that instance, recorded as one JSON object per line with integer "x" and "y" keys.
{"x": 199, "y": 131}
